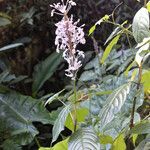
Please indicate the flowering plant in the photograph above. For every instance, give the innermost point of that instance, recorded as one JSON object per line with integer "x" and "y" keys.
{"x": 68, "y": 36}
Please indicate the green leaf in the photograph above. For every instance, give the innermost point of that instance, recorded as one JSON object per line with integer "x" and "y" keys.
{"x": 54, "y": 97}
{"x": 81, "y": 114}
{"x": 105, "y": 139}
{"x": 119, "y": 143}
{"x": 11, "y": 46}
{"x": 140, "y": 25}
{"x": 92, "y": 29}
{"x": 10, "y": 144}
{"x": 63, "y": 145}
{"x": 113, "y": 104}
{"x": 129, "y": 67}
{"x": 83, "y": 139}
{"x": 19, "y": 112}
{"x": 141, "y": 128}
{"x": 109, "y": 48}
{"x": 60, "y": 122}
{"x": 113, "y": 34}
{"x": 44, "y": 70}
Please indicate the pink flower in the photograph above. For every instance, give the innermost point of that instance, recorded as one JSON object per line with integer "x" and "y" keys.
{"x": 68, "y": 36}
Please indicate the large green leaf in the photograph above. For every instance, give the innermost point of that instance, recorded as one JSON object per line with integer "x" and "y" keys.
{"x": 113, "y": 104}
{"x": 109, "y": 48}
{"x": 84, "y": 139}
{"x": 44, "y": 70}
{"x": 19, "y": 112}
{"x": 60, "y": 122}
{"x": 140, "y": 25}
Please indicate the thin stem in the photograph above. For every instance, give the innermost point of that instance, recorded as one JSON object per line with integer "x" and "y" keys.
{"x": 37, "y": 142}
{"x": 128, "y": 40}
{"x": 115, "y": 10}
{"x": 75, "y": 108}
{"x": 135, "y": 98}
{"x": 145, "y": 2}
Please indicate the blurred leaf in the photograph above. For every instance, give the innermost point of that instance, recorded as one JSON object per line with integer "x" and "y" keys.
{"x": 113, "y": 104}
{"x": 81, "y": 114}
{"x": 60, "y": 122}
{"x": 44, "y": 70}
{"x": 10, "y": 144}
{"x": 119, "y": 143}
{"x": 11, "y": 46}
{"x": 140, "y": 25}
{"x": 145, "y": 144}
{"x": 83, "y": 139}
{"x": 109, "y": 48}
{"x": 141, "y": 128}
{"x": 4, "y": 21}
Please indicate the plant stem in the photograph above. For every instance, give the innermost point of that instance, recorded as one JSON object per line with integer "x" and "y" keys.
{"x": 75, "y": 108}
{"x": 37, "y": 142}
{"x": 135, "y": 98}
{"x": 145, "y": 2}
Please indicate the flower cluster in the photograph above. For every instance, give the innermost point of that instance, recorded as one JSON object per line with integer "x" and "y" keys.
{"x": 68, "y": 36}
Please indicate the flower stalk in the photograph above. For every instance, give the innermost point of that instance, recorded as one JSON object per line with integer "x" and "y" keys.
{"x": 68, "y": 36}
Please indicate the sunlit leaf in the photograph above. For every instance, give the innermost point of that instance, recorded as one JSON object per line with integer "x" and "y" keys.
{"x": 105, "y": 139}
{"x": 81, "y": 114}
{"x": 119, "y": 143}
{"x": 146, "y": 80}
{"x": 63, "y": 145}
{"x": 92, "y": 29}
{"x": 109, "y": 48}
